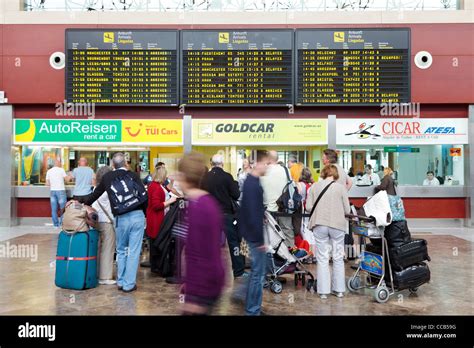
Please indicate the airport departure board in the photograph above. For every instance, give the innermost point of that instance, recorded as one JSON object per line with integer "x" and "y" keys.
{"x": 122, "y": 67}
{"x": 237, "y": 67}
{"x": 352, "y": 66}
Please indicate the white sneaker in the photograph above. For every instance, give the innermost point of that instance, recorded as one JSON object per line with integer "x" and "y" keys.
{"x": 107, "y": 282}
{"x": 323, "y": 296}
{"x": 338, "y": 294}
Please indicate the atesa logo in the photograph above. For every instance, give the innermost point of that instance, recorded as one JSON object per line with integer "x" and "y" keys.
{"x": 440, "y": 130}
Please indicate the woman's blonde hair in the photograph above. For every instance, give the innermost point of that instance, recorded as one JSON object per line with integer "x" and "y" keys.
{"x": 160, "y": 175}
{"x": 330, "y": 170}
{"x": 387, "y": 171}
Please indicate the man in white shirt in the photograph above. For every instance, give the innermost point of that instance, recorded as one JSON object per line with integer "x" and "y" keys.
{"x": 370, "y": 178}
{"x": 55, "y": 180}
{"x": 273, "y": 183}
{"x": 430, "y": 180}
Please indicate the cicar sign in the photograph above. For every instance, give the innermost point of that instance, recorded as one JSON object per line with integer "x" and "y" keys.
{"x": 402, "y": 131}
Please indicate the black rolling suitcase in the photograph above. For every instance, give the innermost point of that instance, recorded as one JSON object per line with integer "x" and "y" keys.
{"x": 411, "y": 277}
{"x": 408, "y": 254}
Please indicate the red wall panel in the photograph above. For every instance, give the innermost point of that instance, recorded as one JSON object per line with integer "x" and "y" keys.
{"x": 33, "y": 207}
{"x": 441, "y": 208}
{"x": 33, "y": 81}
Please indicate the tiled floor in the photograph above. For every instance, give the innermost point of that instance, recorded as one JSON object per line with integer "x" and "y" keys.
{"x": 28, "y": 288}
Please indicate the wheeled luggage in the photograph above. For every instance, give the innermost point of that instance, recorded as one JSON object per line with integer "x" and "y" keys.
{"x": 412, "y": 277}
{"x": 76, "y": 260}
{"x": 409, "y": 254}
{"x": 405, "y": 255}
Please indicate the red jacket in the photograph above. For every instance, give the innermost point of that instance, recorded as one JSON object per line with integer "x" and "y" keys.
{"x": 155, "y": 211}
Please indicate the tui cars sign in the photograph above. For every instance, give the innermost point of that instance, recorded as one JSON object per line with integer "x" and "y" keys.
{"x": 412, "y": 131}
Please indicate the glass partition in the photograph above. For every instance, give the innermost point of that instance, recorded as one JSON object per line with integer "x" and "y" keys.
{"x": 409, "y": 163}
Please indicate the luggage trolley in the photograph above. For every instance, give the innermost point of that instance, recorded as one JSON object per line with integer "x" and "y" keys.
{"x": 371, "y": 263}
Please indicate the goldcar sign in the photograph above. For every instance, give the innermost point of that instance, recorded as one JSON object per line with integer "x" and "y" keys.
{"x": 259, "y": 131}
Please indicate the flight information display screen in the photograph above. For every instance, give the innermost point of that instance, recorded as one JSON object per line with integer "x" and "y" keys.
{"x": 237, "y": 67}
{"x": 122, "y": 67}
{"x": 352, "y": 66}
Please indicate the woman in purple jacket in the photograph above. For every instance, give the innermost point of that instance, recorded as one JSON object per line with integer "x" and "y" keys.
{"x": 204, "y": 279}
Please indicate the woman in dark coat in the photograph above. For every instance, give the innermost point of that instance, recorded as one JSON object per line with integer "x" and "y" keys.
{"x": 387, "y": 183}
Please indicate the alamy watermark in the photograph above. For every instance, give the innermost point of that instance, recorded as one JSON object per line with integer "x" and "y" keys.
{"x": 66, "y": 108}
{"x": 400, "y": 109}
{"x": 19, "y": 251}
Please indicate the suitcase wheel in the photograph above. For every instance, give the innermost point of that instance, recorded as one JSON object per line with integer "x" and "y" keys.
{"x": 413, "y": 290}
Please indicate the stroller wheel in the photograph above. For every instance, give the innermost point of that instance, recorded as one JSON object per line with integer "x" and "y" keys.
{"x": 309, "y": 284}
{"x": 276, "y": 287}
{"x": 296, "y": 280}
{"x": 303, "y": 280}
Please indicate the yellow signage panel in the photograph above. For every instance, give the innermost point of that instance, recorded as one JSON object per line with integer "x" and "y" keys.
{"x": 149, "y": 132}
{"x": 259, "y": 131}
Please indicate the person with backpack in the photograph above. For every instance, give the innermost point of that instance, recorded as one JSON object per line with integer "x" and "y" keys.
{"x": 327, "y": 203}
{"x": 106, "y": 230}
{"x": 128, "y": 199}
{"x": 275, "y": 182}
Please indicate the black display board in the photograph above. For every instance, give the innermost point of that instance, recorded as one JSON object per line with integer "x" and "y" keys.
{"x": 122, "y": 66}
{"x": 237, "y": 67}
{"x": 352, "y": 66}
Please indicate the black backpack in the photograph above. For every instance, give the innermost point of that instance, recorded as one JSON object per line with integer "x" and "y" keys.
{"x": 127, "y": 194}
{"x": 286, "y": 202}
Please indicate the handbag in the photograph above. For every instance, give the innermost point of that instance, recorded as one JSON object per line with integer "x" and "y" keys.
{"x": 78, "y": 217}
{"x": 397, "y": 208}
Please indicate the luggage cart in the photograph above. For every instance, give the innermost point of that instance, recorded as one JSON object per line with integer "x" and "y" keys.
{"x": 370, "y": 263}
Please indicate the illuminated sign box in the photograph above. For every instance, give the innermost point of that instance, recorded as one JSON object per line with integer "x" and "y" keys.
{"x": 98, "y": 132}
{"x": 402, "y": 131}
{"x": 259, "y": 132}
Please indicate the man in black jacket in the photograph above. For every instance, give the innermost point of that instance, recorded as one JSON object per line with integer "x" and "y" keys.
{"x": 129, "y": 220}
{"x": 225, "y": 189}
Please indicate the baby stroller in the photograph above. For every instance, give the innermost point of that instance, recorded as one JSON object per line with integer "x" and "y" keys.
{"x": 281, "y": 260}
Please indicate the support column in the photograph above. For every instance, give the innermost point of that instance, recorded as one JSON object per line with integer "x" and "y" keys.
{"x": 7, "y": 167}
{"x": 469, "y": 170}
{"x": 332, "y": 132}
{"x": 187, "y": 133}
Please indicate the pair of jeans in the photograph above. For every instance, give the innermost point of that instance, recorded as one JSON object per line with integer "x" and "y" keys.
{"x": 58, "y": 202}
{"x": 330, "y": 241}
{"x": 258, "y": 263}
{"x": 233, "y": 240}
{"x": 129, "y": 230}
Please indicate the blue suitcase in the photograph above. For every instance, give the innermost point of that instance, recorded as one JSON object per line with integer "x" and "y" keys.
{"x": 76, "y": 260}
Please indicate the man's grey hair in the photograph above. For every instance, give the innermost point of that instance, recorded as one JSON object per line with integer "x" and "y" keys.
{"x": 217, "y": 160}
{"x": 292, "y": 159}
{"x": 118, "y": 160}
